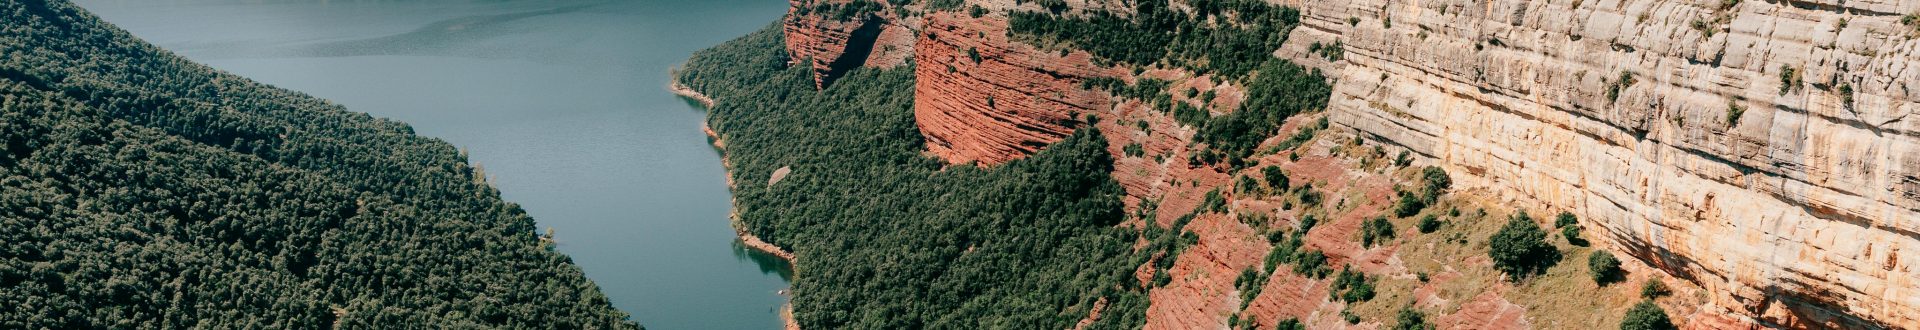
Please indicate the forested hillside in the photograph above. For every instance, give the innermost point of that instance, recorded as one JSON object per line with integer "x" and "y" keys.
{"x": 140, "y": 190}
{"x": 888, "y": 238}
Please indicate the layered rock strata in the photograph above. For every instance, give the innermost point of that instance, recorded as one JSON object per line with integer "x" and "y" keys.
{"x": 1765, "y": 150}
{"x": 979, "y": 97}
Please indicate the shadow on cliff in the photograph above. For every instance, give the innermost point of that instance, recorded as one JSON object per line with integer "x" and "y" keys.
{"x": 859, "y": 47}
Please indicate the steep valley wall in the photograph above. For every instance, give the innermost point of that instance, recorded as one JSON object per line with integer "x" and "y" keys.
{"x": 1667, "y": 125}
{"x": 1801, "y": 211}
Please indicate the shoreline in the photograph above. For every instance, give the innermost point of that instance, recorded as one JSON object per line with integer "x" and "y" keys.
{"x": 683, "y": 91}
{"x": 733, "y": 215}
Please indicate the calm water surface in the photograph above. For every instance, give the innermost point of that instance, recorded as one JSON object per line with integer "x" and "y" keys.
{"x": 561, "y": 101}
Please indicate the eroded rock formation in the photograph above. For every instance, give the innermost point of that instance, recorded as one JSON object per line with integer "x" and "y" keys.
{"x": 979, "y": 97}
{"x": 1765, "y": 150}
{"x": 832, "y": 44}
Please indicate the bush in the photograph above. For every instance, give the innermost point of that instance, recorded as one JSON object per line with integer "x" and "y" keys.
{"x": 1311, "y": 264}
{"x": 1654, "y": 289}
{"x": 1429, "y": 224}
{"x": 1520, "y": 248}
{"x": 1646, "y": 315}
{"x": 1435, "y": 180}
{"x": 1572, "y": 233}
{"x": 1245, "y": 185}
{"x": 1213, "y": 202}
{"x": 1410, "y": 319}
{"x": 1290, "y": 324}
{"x": 1376, "y": 230}
{"x": 1351, "y": 286}
{"x": 1276, "y": 178}
{"x": 1408, "y": 205}
{"x": 1565, "y": 219}
{"x": 1605, "y": 269}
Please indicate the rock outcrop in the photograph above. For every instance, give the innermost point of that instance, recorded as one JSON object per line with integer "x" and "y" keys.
{"x": 1764, "y": 150}
{"x": 832, "y": 44}
{"x": 980, "y": 97}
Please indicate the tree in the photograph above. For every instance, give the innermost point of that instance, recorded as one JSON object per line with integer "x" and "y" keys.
{"x": 1520, "y": 248}
{"x": 1646, "y": 315}
{"x": 1276, "y": 178}
{"x": 1429, "y": 224}
{"x": 1376, "y": 230}
{"x": 1604, "y": 268}
{"x": 1565, "y": 219}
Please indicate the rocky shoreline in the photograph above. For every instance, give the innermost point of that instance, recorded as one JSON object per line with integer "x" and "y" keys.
{"x": 682, "y": 90}
{"x": 748, "y": 239}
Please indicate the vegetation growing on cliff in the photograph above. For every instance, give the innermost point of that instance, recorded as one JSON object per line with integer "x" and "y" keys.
{"x": 1227, "y": 37}
{"x": 140, "y": 190}
{"x": 1520, "y": 249}
{"x": 889, "y": 238}
{"x": 1278, "y": 91}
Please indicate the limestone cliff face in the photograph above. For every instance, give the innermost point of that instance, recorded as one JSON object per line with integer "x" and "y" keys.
{"x": 979, "y": 97}
{"x": 1795, "y": 195}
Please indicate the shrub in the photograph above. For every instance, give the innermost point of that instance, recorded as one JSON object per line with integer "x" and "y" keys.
{"x": 1646, "y": 315}
{"x": 1520, "y": 248}
{"x": 1290, "y": 324}
{"x": 1654, "y": 289}
{"x": 1351, "y": 286}
{"x": 1604, "y": 268}
{"x": 1311, "y": 263}
{"x": 1429, "y": 224}
{"x": 1734, "y": 111}
{"x": 1213, "y": 202}
{"x": 1376, "y": 230}
{"x": 1408, "y": 205}
{"x": 1276, "y": 178}
{"x": 1572, "y": 233}
{"x": 1410, "y": 319}
{"x": 1249, "y": 283}
{"x": 1789, "y": 79}
{"x": 1434, "y": 181}
{"x": 1246, "y": 185}
{"x": 1621, "y": 84}
{"x": 1565, "y": 219}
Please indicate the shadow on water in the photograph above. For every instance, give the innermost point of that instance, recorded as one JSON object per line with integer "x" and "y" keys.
{"x": 433, "y": 38}
{"x": 769, "y": 263}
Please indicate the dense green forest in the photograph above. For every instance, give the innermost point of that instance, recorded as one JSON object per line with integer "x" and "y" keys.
{"x": 140, "y": 190}
{"x": 889, "y": 238}
{"x": 1227, "y": 37}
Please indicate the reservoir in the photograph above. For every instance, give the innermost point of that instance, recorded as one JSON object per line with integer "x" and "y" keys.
{"x": 562, "y": 102}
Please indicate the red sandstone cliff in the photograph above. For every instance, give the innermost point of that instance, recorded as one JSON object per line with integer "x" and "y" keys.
{"x": 979, "y": 97}
{"x": 833, "y": 45}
